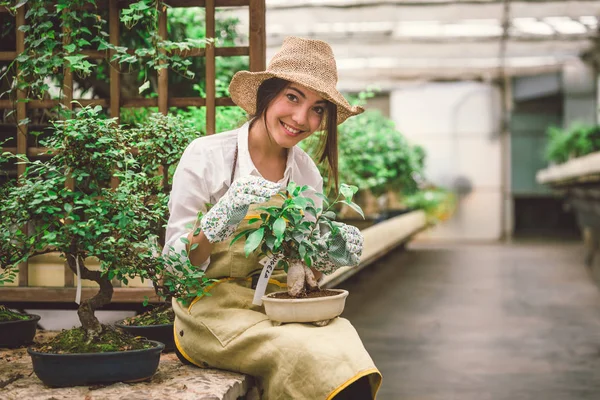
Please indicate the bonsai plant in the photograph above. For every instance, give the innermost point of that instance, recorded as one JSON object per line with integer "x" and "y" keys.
{"x": 296, "y": 243}
{"x": 70, "y": 204}
{"x": 16, "y": 329}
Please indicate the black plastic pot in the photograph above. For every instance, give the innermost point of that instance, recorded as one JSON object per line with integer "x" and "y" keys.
{"x": 18, "y": 333}
{"x": 161, "y": 333}
{"x": 60, "y": 370}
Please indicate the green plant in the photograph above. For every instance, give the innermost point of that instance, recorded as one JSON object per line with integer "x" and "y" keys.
{"x": 576, "y": 141}
{"x": 69, "y": 204}
{"x": 437, "y": 203}
{"x": 58, "y": 33}
{"x": 374, "y": 155}
{"x": 284, "y": 231}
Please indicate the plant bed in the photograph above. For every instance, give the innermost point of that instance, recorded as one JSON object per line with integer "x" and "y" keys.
{"x": 16, "y": 329}
{"x": 155, "y": 324}
{"x": 314, "y": 306}
{"x": 71, "y": 359}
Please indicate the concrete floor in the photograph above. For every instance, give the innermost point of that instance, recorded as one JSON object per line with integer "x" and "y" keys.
{"x": 516, "y": 321}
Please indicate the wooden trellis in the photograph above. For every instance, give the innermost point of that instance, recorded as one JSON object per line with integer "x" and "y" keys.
{"x": 256, "y": 51}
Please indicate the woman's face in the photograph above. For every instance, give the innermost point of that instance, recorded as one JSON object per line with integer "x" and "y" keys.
{"x": 295, "y": 114}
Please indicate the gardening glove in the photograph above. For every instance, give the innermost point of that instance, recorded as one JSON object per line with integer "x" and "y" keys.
{"x": 340, "y": 250}
{"x": 223, "y": 218}
{"x": 300, "y": 278}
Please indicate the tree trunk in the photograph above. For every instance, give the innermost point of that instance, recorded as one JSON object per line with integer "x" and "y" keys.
{"x": 86, "y": 309}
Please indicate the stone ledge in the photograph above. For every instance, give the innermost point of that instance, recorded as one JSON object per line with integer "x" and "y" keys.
{"x": 585, "y": 168}
{"x": 379, "y": 240}
{"x": 172, "y": 380}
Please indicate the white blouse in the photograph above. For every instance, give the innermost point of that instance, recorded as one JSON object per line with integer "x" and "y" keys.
{"x": 204, "y": 172}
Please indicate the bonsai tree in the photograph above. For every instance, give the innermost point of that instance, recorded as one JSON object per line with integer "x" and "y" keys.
{"x": 285, "y": 232}
{"x": 73, "y": 204}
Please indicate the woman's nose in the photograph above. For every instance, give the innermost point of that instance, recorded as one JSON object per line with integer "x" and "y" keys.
{"x": 300, "y": 116}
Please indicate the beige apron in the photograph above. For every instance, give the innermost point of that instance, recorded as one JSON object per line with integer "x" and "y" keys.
{"x": 291, "y": 361}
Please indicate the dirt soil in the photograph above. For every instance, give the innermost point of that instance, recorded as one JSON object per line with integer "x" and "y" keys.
{"x": 172, "y": 380}
{"x": 307, "y": 295}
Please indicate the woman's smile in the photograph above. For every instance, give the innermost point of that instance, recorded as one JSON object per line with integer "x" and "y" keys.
{"x": 290, "y": 130}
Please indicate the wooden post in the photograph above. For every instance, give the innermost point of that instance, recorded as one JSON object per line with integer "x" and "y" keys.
{"x": 258, "y": 37}
{"x": 23, "y": 279}
{"x": 163, "y": 74}
{"x": 115, "y": 80}
{"x": 210, "y": 68}
{"x": 67, "y": 89}
{"x": 115, "y": 73}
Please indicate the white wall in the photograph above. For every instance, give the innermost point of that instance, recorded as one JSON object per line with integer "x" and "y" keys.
{"x": 458, "y": 124}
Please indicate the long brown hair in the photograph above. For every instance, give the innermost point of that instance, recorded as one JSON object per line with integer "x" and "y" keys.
{"x": 327, "y": 148}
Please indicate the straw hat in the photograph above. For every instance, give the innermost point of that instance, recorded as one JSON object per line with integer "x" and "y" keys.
{"x": 307, "y": 62}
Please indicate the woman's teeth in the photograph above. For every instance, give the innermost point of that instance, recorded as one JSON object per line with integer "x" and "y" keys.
{"x": 289, "y": 128}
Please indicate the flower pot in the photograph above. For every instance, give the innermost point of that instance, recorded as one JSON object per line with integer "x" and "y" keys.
{"x": 305, "y": 310}
{"x": 18, "y": 333}
{"x": 161, "y": 333}
{"x": 60, "y": 370}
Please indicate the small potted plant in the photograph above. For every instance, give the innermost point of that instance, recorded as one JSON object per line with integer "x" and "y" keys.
{"x": 16, "y": 329}
{"x": 71, "y": 204}
{"x": 295, "y": 242}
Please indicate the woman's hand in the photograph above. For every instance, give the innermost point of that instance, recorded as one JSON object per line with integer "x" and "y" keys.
{"x": 342, "y": 249}
{"x": 223, "y": 218}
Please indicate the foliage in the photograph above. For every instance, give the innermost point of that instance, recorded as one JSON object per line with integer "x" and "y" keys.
{"x": 376, "y": 156}
{"x": 8, "y": 315}
{"x": 437, "y": 203}
{"x": 174, "y": 276}
{"x": 226, "y": 118}
{"x": 71, "y": 205}
{"x": 576, "y": 141}
{"x": 75, "y": 341}
{"x": 58, "y": 33}
{"x": 373, "y": 154}
{"x": 284, "y": 229}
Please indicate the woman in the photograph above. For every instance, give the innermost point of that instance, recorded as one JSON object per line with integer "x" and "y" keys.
{"x": 236, "y": 171}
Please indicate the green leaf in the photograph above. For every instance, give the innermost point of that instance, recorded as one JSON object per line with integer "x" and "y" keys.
{"x": 302, "y": 250}
{"x": 279, "y": 227}
{"x": 291, "y": 187}
{"x": 355, "y": 207}
{"x": 68, "y": 207}
{"x": 240, "y": 235}
{"x": 253, "y": 241}
{"x": 348, "y": 190}
{"x": 329, "y": 215}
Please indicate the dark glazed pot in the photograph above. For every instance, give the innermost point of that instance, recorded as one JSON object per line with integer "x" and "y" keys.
{"x": 18, "y": 333}
{"x": 60, "y": 370}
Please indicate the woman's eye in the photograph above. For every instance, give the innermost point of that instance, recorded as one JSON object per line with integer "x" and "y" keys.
{"x": 319, "y": 110}
{"x": 291, "y": 97}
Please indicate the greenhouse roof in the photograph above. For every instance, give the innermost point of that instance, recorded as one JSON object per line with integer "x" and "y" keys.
{"x": 390, "y": 41}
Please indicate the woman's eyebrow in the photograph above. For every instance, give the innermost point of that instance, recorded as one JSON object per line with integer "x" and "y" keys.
{"x": 304, "y": 96}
